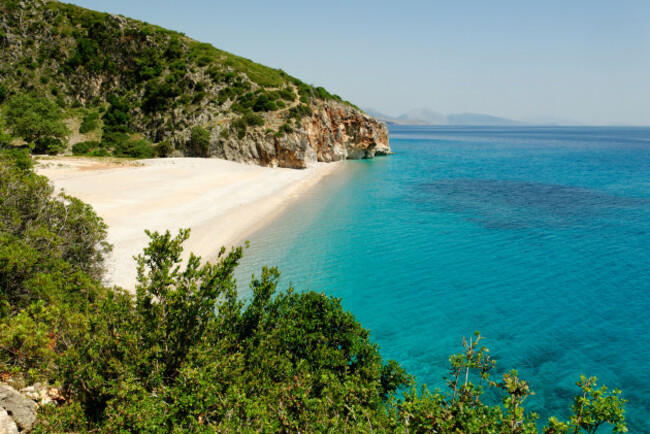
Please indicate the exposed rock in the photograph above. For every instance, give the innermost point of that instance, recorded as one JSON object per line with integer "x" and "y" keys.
{"x": 21, "y": 409}
{"x": 7, "y": 424}
{"x": 338, "y": 131}
{"x": 42, "y": 394}
{"x": 335, "y": 131}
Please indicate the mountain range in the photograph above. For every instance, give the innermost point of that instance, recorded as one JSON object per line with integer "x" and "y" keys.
{"x": 424, "y": 116}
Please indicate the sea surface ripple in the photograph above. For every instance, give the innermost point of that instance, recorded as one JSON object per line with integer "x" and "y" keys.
{"x": 537, "y": 237}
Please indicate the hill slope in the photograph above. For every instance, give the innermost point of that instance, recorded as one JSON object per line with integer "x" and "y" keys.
{"x": 134, "y": 81}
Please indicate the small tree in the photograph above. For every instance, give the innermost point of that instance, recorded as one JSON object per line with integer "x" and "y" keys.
{"x": 592, "y": 409}
{"x": 199, "y": 145}
{"x": 174, "y": 306}
{"x": 38, "y": 121}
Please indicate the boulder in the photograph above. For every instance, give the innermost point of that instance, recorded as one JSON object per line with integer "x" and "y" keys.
{"x": 7, "y": 424}
{"x": 21, "y": 409}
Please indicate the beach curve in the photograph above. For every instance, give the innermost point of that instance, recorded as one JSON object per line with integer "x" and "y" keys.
{"x": 222, "y": 202}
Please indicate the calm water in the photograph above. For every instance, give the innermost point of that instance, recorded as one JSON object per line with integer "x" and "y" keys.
{"x": 537, "y": 237}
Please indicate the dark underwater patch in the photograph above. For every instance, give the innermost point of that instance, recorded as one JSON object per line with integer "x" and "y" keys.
{"x": 509, "y": 204}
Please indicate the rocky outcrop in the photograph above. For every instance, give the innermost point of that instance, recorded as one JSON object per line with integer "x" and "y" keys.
{"x": 335, "y": 131}
{"x": 7, "y": 424}
{"x": 18, "y": 408}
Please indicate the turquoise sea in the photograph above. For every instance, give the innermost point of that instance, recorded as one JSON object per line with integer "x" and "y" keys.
{"x": 537, "y": 237}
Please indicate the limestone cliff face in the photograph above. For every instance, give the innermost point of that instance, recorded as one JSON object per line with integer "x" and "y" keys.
{"x": 335, "y": 131}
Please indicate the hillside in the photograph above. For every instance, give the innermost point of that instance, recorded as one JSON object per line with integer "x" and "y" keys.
{"x": 134, "y": 89}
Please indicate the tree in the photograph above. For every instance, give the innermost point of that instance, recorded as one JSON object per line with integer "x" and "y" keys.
{"x": 51, "y": 258}
{"x": 5, "y": 138}
{"x": 42, "y": 236}
{"x": 199, "y": 144}
{"x": 39, "y": 121}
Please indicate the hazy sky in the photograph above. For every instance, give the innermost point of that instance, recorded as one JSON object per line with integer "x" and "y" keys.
{"x": 586, "y": 60}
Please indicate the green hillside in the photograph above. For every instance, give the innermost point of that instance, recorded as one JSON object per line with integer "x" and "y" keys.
{"x": 123, "y": 85}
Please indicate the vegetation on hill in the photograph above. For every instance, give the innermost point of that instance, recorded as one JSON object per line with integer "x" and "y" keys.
{"x": 126, "y": 85}
{"x": 187, "y": 354}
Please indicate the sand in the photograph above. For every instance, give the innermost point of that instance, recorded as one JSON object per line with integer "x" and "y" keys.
{"x": 220, "y": 201}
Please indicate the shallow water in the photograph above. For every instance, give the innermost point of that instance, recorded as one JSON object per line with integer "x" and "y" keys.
{"x": 537, "y": 237}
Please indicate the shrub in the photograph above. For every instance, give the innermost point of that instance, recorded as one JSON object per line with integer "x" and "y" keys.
{"x": 164, "y": 149}
{"x": 287, "y": 94}
{"x": 39, "y": 121}
{"x": 252, "y": 120}
{"x": 100, "y": 152}
{"x": 49, "y": 145}
{"x": 83, "y": 148}
{"x": 299, "y": 111}
{"x": 264, "y": 104}
{"x": 3, "y": 92}
{"x": 135, "y": 149}
{"x": 284, "y": 129}
{"x": 113, "y": 139}
{"x": 89, "y": 123}
{"x": 199, "y": 143}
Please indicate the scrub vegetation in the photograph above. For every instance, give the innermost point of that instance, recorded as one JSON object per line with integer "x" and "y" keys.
{"x": 130, "y": 85}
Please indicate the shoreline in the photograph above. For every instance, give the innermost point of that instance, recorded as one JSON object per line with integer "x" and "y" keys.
{"x": 221, "y": 201}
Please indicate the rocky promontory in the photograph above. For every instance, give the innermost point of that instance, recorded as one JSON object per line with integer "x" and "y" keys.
{"x": 334, "y": 132}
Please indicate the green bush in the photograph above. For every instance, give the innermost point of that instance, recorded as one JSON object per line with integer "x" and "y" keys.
{"x": 264, "y": 103}
{"x": 283, "y": 130}
{"x": 49, "y": 145}
{"x": 83, "y": 148}
{"x": 164, "y": 149}
{"x": 117, "y": 117}
{"x": 287, "y": 94}
{"x": 5, "y": 138}
{"x": 134, "y": 149}
{"x": 3, "y": 92}
{"x": 199, "y": 143}
{"x": 300, "y": 111}
{"x": 252, "y": 120}
{"x": 89, "y": 123}
{"x": 100, "y": 152}
{"x": 38, "y": 121}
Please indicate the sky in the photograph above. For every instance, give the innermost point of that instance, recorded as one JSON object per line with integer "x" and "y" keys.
{"x": 582, "y": 60}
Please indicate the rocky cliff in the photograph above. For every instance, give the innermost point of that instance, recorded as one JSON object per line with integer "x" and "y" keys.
{"x": 333, "y": 132}
{"x": 128, "y": 85}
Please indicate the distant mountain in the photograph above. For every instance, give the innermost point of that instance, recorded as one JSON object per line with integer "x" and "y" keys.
{"x": 423, "y": 116}
{"x": 481, "y": 120}
{"x": 380, "y": 116}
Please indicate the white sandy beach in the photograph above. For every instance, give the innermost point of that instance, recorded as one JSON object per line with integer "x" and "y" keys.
{"x": 221, "y": 201}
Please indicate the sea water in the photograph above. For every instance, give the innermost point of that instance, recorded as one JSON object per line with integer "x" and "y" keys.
{"x": 537, "y": 237}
